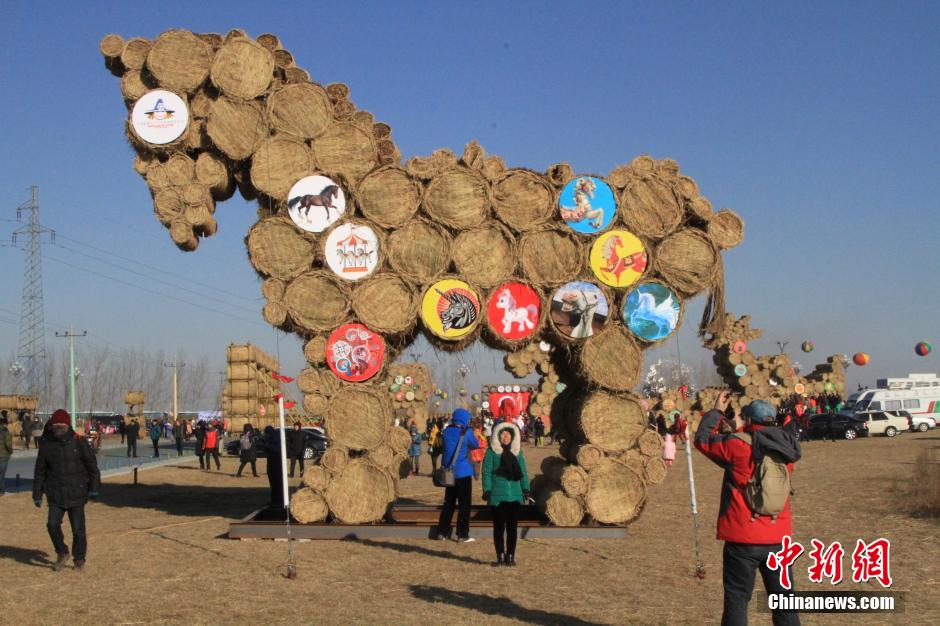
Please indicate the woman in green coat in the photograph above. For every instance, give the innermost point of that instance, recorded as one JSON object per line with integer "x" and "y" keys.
{"x": 505, "y": 488}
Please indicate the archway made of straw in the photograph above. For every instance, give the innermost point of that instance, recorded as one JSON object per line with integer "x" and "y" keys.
{"x": 360, "y": 253}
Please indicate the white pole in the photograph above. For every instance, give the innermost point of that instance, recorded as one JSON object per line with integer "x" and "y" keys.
{"x": 280, "y": 407}
{"x": 699, "y": 566}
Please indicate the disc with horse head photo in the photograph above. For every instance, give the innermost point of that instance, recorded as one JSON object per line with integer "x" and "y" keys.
{"x": 315, "y": 202}
{"x": 579, "y": 309}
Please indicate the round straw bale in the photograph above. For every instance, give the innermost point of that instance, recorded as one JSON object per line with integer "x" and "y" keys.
{"x": 347, "y": 149}
{"x": 274, "y": 313}
{"x": 307, "y": 506}
{"x": 419, "y": 251}
{"x": 302, "y": 110}
{"x": 649, "y": 207}
{"x": 133, "y": 85}
{"x": 215, "y": 40}
{"x": 523, "y": 199}
{"x": 687, "y": 260}
{"x": 236, "y": 127}
{"x": 620, "y": 176}
{"x": 111, "y": 46}
{"x": 278, "y": 163}
{"x": 615, "y": 494}
{"x": 550, "y": 257}
{"x": 181, "y": 232}
{"x": 316, "y": 405}
{"x": 386, "y": 304}
{"x": 701, "y": 208}
{"x": 687, "y": 188}
{"x": 273, "y": 289}
{"x": 643, "y": 164}
{"x": 574, "y": 481}
{"x": 634, "y": 459}
{"x": 458, "y": 198}
{"x": 360, "y": 493}
{"x": 142, "y": 163}
{"x": 282, "y": 58}
{"x": 359, "y": 418}
{"x": 277, "y": 249}
{"x": 588, "y": 456}
{"x": 612, "y": 359}
{"x": 337, "y": 91}
{"x": 493, "y": 167}
{"x": 156, "y": 176}
{"x": 210, "y": 170}
{"x": 235, "y": 33}
{"x": 296, "y": 75}
{"x": 561, "y": 510}
{"x": 485, "y": 256}
{"x": 242, "y": 68}
{"x": 655, "y": 470}
{"x": 726, "y": 229}
{"x": 199, "y": 215}
{"x": 389, "y": 196}
{"x": 398, "y": 439}
{"x": 317, "y": 302}
{"x": 335, "y": 459}
{"x": 167, "y": 206}
{"x": 179, "y": 60}
{"x": 317, "y": 478}
{"x": 134, "y": 54}
{"x": 195, "y": 138}
{"x": 365, "y": 120}
{"x": 382, "y": 456}
{"x": 473, "y": 155}
{"x": 269, "y": 41}
{"x": 650, "y": 443}
{"x": 315, "y": 350}
{"x": 180, "y": 170}
{"x": 560, "y": 174}
{"x": 344, "y": 110}
{"x": 612, "y": 423}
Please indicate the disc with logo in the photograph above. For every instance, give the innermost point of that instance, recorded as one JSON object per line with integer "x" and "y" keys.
{"x": 160, "y": 117}
{"x": 799, "y": 388}
{"x": 739, "y": 347}
{"x": 315, "y": 202}
{"x": 515, "y": 388}
{"x": 587, "y": 205}
{"x": 450, "y": 309}
{"x": 399, "y": 380}
{"x": 409, "y": 396}
{"x": 408, "y": 380}
{"x": 740, "y": 370}
{"x": 501, "y": 388}
{"x": 652, "y": 311}
{"x": 400, "y": 396}
{"x": 485, "y": 404}
{"x": 352, "y": 251}
{"x": 513, "y": 311}
{"x": 618, "y": 258}
{"x": 579, "y": 309}
{"x": 355, "y": 353}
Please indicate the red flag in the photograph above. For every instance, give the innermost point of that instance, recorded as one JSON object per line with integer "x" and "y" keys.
{"x": 289, "y": 405}
{"x": 283, "y": 379}
{"x": 278, "y": 397}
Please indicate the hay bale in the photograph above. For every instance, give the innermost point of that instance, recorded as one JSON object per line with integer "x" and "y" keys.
{"x": 236, "y": 127}
{"x": 316, "y": 405}
{"x": 277, "y": 249}
{"x": 167, "y": 206}
{"x": 296, "y": 75}
{"x": 211, "y": 171}
{"x": 389, "y": 196}
{"x": 179, "y": 170}
{"x": 242, "y": 68}
{"x": 269, "y": 41}
{"x": 386, "y": 304}
{"x": 382, "y": 456}
{"x": 588, "y": 456}
{"x": 131, "y": 397}
{"x": 315, "y": 350}
{"x": 181, "y": 232}
{"x": 655, "y": 470}
{"x": 274, "y": 313}
{"x": 726, "y": 229}
{"x": 398, "y": 439}
{"x": 134, "y": 54}
{"x": 282, "y": 58}
{"x": 317, "y": 302}
{"x": 612, "y": 423}
{"x": 302, "y": 110}
{"x": 700, "y": 208}
{"x": 111, "y": 46}
{"x": 650, "y": 208}
{"x": 551, "y": 256}
{"x": 458, "y": 198}
{"x": 559, "y": 174}
{"x": 419, "y": 251}
{"x": 523, "y": 199}
{"x": 650, "y": 443}
{"x": 360, "y": 493}
{"x": 612, "y": 359}
{"x": 135, "y": 85}
{"x": 335, "y": 459}
{"x": 574, "y": 481}
{"x": 561, "y": 509}
{"x": 688, "y": 261}
{"x": 485, "y": 256}
{"x": 307, "y": 506}
{"x": 179, "y": 60}
{"x": 634, "y": 459}
{"x": 359, "y": 418}
{"x": 615, "y": 494}
{"x": 347, "y": 149}
{"x": 277, "y": 163}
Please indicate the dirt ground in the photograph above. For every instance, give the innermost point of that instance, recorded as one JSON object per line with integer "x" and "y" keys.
{"x": 159, "y": 555}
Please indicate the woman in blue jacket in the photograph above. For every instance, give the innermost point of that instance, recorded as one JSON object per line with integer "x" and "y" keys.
{"x": 414, "y": 450}
{"x": 505, "y": 488}
{"x": 457, "y": 455}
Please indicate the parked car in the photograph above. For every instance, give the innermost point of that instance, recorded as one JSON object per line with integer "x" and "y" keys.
{"x": 314, "y": 439}
{"x": 830, "y": 426}
{"x": 883, "y": 423}
{"x": 919, "y": 423}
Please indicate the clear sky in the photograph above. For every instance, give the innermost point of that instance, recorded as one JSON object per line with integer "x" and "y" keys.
{"x": 817, "y": 122}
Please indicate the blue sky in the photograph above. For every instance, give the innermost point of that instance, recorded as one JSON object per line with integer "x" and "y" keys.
{"x": 817, "y": 122}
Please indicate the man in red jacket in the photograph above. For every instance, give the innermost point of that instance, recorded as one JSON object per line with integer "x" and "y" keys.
{"x": 748, "y": 537}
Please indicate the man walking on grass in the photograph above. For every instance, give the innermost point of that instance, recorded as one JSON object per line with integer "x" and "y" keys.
{"x": 133, "y": 432}
{"x": 6, "y": 449}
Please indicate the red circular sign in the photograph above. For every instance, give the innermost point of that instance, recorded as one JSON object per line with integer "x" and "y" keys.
{"x": 739, "y": 347}
{"x": 355, "y": 353}
{"x": 513, "y": 311}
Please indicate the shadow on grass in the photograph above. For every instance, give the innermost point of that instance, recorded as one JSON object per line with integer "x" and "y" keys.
{"x": 489, "y": 605}
{"x": 26, "y": 556}
{"x": 185, "y": 500}
{"x": 410, "y": 549}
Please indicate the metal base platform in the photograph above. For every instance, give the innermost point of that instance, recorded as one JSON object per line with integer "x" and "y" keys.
{"x": 418, "y": 522}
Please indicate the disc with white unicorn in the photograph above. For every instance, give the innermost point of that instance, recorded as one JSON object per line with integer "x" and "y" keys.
{"x": 315, "y": 202}
{"x": 513, "y": 311}
{"x": 352, "y": 251}
{"x": 587, "y": 205}
{"x": 652, "y": 311}
{"x": 618, "y": 258}
{"x": 579, "y": 309}
{"x": 160, "y": 117}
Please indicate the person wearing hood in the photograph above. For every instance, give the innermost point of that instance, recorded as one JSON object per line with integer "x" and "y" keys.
{"x": 749, "y": 537}
{"x": 199, "y": 432}
{"x": 505, "y": 488}
{"x": 458, "y": 441}
{"x": 67, "y": 473}
{"x": 414, "y": 451}
{"x": 272, "y": 454}
{"x": 156, "y": 430}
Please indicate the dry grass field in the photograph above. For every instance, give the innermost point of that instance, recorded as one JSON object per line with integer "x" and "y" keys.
{"x": 159, "y": 555}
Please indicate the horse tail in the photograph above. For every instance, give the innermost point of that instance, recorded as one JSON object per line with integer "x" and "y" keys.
{"x": 294, "y": 201}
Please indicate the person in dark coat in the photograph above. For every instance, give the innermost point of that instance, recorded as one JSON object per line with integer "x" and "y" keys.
{"x": 199, "y": 432}
{"x": 122, "y": 429}
{"x": 272, "y": 453}
{"x": 458, "y": 442}
{"x": 179, "y": 434}
{"x": 296, "y": 444}
{"x": 133, "y": 432}
{"x": 67, "y": 473}
{"x": 247, "y": 452}
{"x": 27, "y": 430}
{"x": 6, "y": 448}
{"x": 156, "y": 429}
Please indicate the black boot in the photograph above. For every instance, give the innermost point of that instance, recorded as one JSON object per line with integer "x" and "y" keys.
{"x": 60, "y": 562}
{"x": 500, "y": 561}
{"x": 511, "y": 560}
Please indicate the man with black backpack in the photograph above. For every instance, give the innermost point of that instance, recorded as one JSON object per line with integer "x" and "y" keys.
{"x": 754, "y": 514}
{"x": 456, "y": 475}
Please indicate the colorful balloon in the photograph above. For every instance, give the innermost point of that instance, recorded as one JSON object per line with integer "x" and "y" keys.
{"x": 808, "y": 346}
{"x": 860, "y": 359}
{"x": 923, "y": 348}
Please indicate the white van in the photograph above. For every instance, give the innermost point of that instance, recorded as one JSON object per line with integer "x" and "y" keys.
{"x": 918, "y": 394}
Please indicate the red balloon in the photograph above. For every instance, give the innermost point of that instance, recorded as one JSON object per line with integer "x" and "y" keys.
{"x": 860, "y": 359}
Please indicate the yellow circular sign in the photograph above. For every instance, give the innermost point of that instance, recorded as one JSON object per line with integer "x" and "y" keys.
{"x": 450, "y": 309}
{"x": 618, "y": 258}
